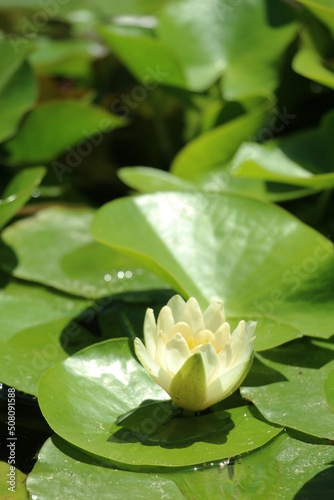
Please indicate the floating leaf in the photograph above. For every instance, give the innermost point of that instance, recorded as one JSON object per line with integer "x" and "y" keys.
{"x": 299, "y": 401}
{"x": 211, "y": 38}
{"x": 307, "y": 63}
{"x": 261, "y": 261}
{"x": 55, "y": 248}
{"x": 150, "y": 60}
{"x": 62, "y": 468}
{"x": 87, "y": 400}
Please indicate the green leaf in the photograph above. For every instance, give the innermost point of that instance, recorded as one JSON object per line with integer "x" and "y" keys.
{"x": 17, "y": 97}
{"x": 12, "y": 477}
{"x": 36, "y": 332}
{"x": 18, "y": 90}
{"x": 262, "y": 262}
{"x": 55, "y": 248}
{"x": 303, "y": 159}
{"x": 217, "y": 146}
{"x": 18, "y": 192}
{"x": 322, "y": 9}
{"x": 299, "y": 400}
{"x": 329, "y": 389}
{"x": 149, "y": 180}
{"x": 87, "y": 400}
{"x": 61, "y": 468}
{"x": 284, "y": 468}
{"x": 309, "y": 64}
{"x": 150, "y": 60}
{"x": 211, "y": 38}
{"x": 50, "y": 129}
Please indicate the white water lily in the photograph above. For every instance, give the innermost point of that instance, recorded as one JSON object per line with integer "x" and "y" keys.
{"x": 193, "y": 356}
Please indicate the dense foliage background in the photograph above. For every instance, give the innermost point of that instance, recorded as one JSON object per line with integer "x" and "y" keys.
{"x": 210, "y": 124}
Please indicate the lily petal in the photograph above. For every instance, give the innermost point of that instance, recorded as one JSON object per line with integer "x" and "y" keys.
{"x": 160, "y": 353}
{"x": 159, "y": 375}
{"x": 165, "y": 320}
{"x": 242, "y": 340}
{"x": 177, "y": 353}
{"x": 214, "y": 316}
{"x": 176, "y": 304}
{"x": 182, "y": 328}
{"x": 222, "y": 336}
{"x": 210, "y": 360}
{"x": 225, "y": 385}
{"x": 192, "y": 315}
{"x": 150, "y": 332}
{"x": 204, "y": 336}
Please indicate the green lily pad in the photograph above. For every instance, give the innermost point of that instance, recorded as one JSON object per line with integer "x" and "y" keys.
{"x": 214, "y": 38}
{"x": 150, "y": 180}
{"x": 55, "y": 248}
{"x": 309, "y": 64}
{"x": 261, "y": 261}
{"x": 61, "y": 468}
{"x": 50, "y": 129}
{"x": 286, "y": 467}
{"x": 217, "y": 146}
{"x": 36, "y": 329}
{"x": 322, "y": 9}
{"x": 283, "y": 468}
{"x": 28, "y": 353}
{"x": 150, "y": 60}
{"x": 304, "y": 159}
{"x": 329, "y": 389}
{"x": 18, "y": 192}
{"x": 18, "y": 491}
{"x": 24, "y": 305}
{"x": 298, "y": 401}
{"x": 87, "y": 400}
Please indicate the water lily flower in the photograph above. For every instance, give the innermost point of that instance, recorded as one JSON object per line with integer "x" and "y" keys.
{"x": 192, "y": 355}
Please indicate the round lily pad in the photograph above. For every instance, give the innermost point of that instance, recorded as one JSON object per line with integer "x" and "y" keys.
{"x": 103, "y": 401}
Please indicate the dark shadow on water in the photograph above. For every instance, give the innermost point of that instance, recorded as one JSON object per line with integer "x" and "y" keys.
{"x": 165, "y": 425}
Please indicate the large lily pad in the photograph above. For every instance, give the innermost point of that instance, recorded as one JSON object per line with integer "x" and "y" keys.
{"x": 98, "y": 400}
{"x": 61, "y": 468}
{"x": 298, "y": 401}
{"x": 261, "y": 261}
{"x": 55, "y": 248}
{"x": 18, "y": 192}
